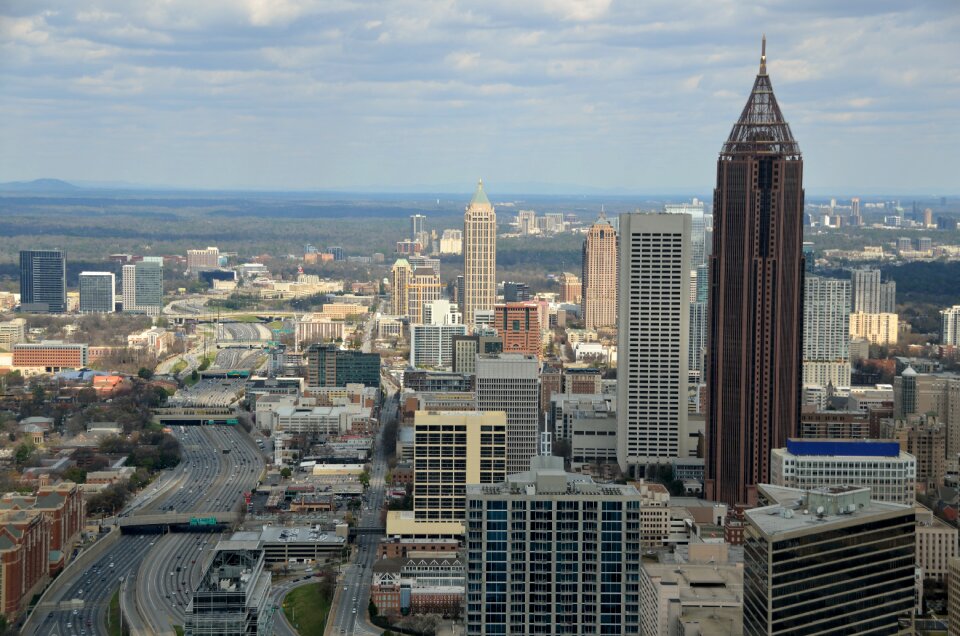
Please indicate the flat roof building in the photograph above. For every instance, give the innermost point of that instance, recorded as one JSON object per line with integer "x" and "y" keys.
{"x": 234, "y": 594}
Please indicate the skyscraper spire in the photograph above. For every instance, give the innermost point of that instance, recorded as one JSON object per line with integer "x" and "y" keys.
{"x": 763, "y": 56}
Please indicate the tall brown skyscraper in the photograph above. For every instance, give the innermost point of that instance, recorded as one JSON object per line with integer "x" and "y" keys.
{"x": 756, "y": 298}
{"x": 479, "y": 255}
{"x": 599, "y": 280}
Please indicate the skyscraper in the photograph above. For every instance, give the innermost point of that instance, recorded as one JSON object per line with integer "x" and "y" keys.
{"x": 599, "y": 278}
{"x": 401, "y": 273}
{"x": 950, "y": 326}
{"x": 479, "y": 255}
{"x": 424, "y": 287}
{"x": 518, "y": 325}
{"x": 416, "y": 225}
{"x": 653, "y": 333}
{"x": 97, "y": 291}
{"x": 699, "y": 319}
{"x": 699, "y": 225}
{"x": 143, "y": 288}
{"x": 43, "y": 281}
{"x": 826, "y": 331}
{"x": 870, "y": 296}
{"x": 510, "y": 382}
{"x": 756, "y": 298}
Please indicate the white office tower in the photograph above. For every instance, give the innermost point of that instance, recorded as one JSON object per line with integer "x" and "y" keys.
{"x": 510, "y": 382}
{"x": 653, "y": 334}
{"x": 950, "y": 326}
{"x": 699, "y": 317}
{"x": 870, "y": 296}
{"x": 97, "y": 292}
{"x": 826, "y": 332}
{"x": 143, "y": 288}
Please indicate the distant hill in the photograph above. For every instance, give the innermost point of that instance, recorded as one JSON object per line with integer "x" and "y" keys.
{"x": 38, "y": 185}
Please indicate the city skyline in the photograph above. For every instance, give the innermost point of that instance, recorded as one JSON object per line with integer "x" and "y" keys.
{"x": 190, "y": 97}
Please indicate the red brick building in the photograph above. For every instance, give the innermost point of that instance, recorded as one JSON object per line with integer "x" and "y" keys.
{"x": 50, "y": 355}
{"x": 24, "y": 558}
{"x": 518, "y": 325}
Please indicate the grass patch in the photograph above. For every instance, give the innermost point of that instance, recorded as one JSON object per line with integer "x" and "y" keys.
{"x": 307, "y": 609}
{"x": 114, "y": 627}
{"x": 178, "y": 367}
{"x": 243, "y": 318}
{"x": 178, "y": 630}
{"x": 276, "y": 324}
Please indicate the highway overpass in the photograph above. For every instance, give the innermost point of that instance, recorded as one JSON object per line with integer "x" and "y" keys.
{"x": 178, "y": 522}
{"x": 186, "y": 416}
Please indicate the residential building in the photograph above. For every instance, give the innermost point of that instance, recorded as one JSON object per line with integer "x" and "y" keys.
{"x": 431, "y": 345}
{"x": 937, "y": 394}
{"x": 417, "y": 222}
{"x": 691, "y": 598}
{"x": 453, "y": 449}
{"x": 509, "y": 382}
{"x": 451, "y": 242}
{"x": 421, "y": 583}
{"x": 756, "y": 296}
{"x": 582, "y": 381}
{"x": 877, "y": 329}
{"x": 570, "y": 288}
{"x": 514, "y": 292}
{"x": 465, "y": 349}
{"x": 829, "y": 561}
{"x": 869, "y": 295}
{"x": 808, "y": 464}
{"x": 43, "y": 281}
{"x": 479, "y": 255}
{"x": 599, "y": 279}
{"x": 699, "y": 317}
{"x": 97, "y": 292}
{"x": 328, "y": 365}
{"x": 950, "y": 326}
{"x": 233, "y": 596}
{"x": 318, "y": 328}
{"x": 143, "y": 288}
{"x": 652, "y": 349}
{"x": 50, "y": 355}
{"x": 12, "y": 332}
{"x": 551, "y": 552}
{"x": 518, "y": 326}
{"x": 424, "y": 287}
{"x": 199, "y": 260}
{"x": 936, "y": 545}
{"x": 924, "y": 438}
{"x": 826, "y": 332}
{"x": 401, "y": 274}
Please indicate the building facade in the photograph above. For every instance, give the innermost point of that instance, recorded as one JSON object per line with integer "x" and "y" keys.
{"x": 199, "y": 260}
{"x": 518, "y": 326}
{"x": 432, "y": 345}
{"x": 452, "y": 449}
{"x": 327, "y": 365}
{"x": 570, "y": 288}
{"x": 510, "y": 383}
{"x": 550, "y": 552}
{"x": 807, "y": 464}
{"x": 869, "y": 295}
{"x": 479, "y": 255}
{"x": 836, "y": 563}
{"x": 950, "y": 326}
{"x": 43, "y": 281}
{"x": 51, "y": 355}
{"x": 97, "y": 292}
{"x": 652, "y": 349}
{"x": 400, "y": 276}
{"x": 424, "y": 288}
{"x": 233, "y": 597}
{"x": 599, "y": 279}
{"x": 142, "y": 285}
{"x": 826, "y": 332}
{"x": 756, "y": 296}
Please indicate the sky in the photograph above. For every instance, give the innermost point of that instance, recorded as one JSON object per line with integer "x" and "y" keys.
{"x": 531, "y": 95}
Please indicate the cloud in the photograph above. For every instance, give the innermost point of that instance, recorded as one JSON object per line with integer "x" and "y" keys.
{"x": 199, "y": 91}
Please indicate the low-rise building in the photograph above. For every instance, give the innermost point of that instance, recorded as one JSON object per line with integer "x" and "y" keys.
{"x": 12, "y": 332}
{"x": 676, "y": 596}
{"x": 936, "y": 545}
{"x": 233, "y": 596}
{"x": 420, "y": 583}
{"x": 49, "y": 356}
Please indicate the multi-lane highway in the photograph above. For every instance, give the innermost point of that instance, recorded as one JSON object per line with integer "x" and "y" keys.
{"x": 199, "y": 483}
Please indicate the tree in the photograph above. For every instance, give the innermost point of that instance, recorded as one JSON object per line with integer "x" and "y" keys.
{"x": 364, "y": 479}
{"x": 145, "y": 373}
{"x": 285, "y": 472}
{"x": 75, "y": 474}
{"x": 194, "y": 376}
{"x": 23, "y": 452}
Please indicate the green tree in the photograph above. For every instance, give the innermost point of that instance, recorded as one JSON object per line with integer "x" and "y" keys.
{"x": 75, "y": 474}
{"x": 194, "y": 376}
{"x": 23, "y": 452}
{"x": 365, "y": 478}
{"x": 145, "y": 373}
{"x": 285, "y": 472}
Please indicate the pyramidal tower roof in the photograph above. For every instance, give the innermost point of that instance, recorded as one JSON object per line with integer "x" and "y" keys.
{"x": 480, "y": 197}
{"x": 761, "y": 128}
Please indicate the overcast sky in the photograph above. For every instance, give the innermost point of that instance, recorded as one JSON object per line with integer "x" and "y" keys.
{"x": 626, "y": 95}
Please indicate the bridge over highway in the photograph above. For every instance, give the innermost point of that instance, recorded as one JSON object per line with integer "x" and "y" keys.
{"x": 177, "y": 522}
{"x": 175, "y": 416}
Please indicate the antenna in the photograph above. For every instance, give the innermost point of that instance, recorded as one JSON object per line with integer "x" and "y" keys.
{"x": 763, "y": 55}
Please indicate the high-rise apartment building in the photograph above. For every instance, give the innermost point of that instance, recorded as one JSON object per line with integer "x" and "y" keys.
{"x": 551, "y": 552}
{"x": 97, "y": 292}
{"x": 826, "y": 332}
{"x": 935, "y": 394}
{"x": 837, "y": 562}
{"x": 400, "y": 275}
{"x": 431, "y": 345}
{"x": 699, "y": 320}
{"x": 424, "y": 287}
{"x": 756, "y": 298}
{"x": 514, "y": 292}
{"x": 653, "y": 333}
{"x": 570, "y": 288}
{"x": 417, "y": 225}
{"x": 43, "y": 281}
{"x": 199, "y": 260}
{"x": 878, "y": 329}
{"x": 510, "y": 382}
{"x": 869, "y": 295}
{"x": 13, "y": 332}
{"x": 142, "y": 285}
{"x": 451, "y": 242}
{"x": 479, "y": 256}
{"x": 599, "y": 278}
{"x": 518, "y": 326}
{"x": 465, "y": 350}
{"x": 450, "y": 450}
{"x": 950, "y": 326}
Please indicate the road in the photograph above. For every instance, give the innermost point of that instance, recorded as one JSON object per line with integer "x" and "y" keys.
{"x": 350, "y": 605}
{"x": 188, "y": 489}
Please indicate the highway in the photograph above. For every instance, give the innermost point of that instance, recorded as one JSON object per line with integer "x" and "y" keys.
{"x": 197, "y": 483}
